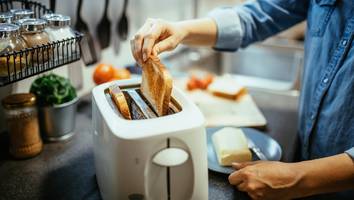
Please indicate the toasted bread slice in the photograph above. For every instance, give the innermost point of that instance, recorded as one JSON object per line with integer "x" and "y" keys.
{"x": 156, "y": 85}
{"x": 227, "y": 87}
{"x": 120, "y": 101}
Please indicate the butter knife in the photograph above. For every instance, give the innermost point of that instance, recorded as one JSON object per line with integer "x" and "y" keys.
{"x": 256, "y": 150}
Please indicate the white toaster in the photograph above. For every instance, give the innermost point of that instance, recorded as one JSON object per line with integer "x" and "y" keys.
{"x": 151, "y": 159}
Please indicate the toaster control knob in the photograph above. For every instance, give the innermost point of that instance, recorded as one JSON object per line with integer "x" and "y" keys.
{"x": 170, "y": 157}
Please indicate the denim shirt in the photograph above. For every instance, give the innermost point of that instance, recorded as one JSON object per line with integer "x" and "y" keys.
{"x": 326, "y": 111}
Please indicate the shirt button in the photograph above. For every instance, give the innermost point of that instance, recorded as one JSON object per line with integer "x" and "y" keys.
{"x": 312, "y": 117}
{"x": 344, "y": 42}
{"x": 325, "y": 80}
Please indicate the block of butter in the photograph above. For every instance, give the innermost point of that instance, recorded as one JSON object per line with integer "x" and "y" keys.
{"x": 231, "y": 145}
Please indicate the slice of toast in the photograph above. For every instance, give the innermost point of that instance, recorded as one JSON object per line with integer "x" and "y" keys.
{"x": 227, "y": 87}
{"x": 120, "y": 101}
{"x": 156, "y": 85}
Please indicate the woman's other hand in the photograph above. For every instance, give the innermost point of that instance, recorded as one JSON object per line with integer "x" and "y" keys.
{"x": 265, "y": 179}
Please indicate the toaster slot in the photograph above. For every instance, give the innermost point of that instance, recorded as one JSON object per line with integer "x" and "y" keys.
{"x": 139, "y": 106}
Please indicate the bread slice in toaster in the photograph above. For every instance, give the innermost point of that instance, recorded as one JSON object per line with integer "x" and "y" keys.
{"x": 156, "y": 85}
{"x": 120, "y": 101}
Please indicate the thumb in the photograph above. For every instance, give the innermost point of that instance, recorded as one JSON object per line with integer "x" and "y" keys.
{"x": 238, "y": 165}
{"x": 167, "y": 44}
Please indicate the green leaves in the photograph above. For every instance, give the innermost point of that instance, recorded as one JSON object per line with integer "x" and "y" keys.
{"x": 52, "y": 89}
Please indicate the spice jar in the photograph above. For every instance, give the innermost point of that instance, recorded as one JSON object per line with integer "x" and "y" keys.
{"x": 6, "y": 17}
{"x": 21, "y": 116}
{"x": 9, "y": 42}
{"x": 32, "y": 31}
{"x": 22, "y": 14}
{"x": 59, "y": 29}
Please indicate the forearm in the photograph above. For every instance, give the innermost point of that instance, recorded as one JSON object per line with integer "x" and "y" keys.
{"x": 200, "y": 32}
{"x": 324, "y": 175}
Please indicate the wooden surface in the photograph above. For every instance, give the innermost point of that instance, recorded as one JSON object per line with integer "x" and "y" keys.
{"x": 220, "y": 111}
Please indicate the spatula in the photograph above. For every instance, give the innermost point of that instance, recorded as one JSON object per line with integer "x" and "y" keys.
{"x": 104, "y": 28}
{"x": 122, "y": 28}
{"x": 89, "y": 54}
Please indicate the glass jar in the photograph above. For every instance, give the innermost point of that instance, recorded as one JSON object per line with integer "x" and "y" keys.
{"x": 21, "y": 14}
{"x": 32, "y": 31}
{"x": 22, "y": 121}
{"x": 9, "y": 42}
{"x": 59, "y": 29}
{"x": 6, "y": 17}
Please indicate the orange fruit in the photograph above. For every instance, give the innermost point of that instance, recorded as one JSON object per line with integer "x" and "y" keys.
{"x": 103, "y": 73}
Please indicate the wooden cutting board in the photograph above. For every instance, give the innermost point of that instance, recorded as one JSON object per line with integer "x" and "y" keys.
{"x": 223, "y": 112}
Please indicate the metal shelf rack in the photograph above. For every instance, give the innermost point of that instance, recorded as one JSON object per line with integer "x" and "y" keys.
{"x": 32, "y": 61}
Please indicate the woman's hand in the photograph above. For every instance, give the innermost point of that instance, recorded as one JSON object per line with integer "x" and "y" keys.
{"x": 277, "y": 180}
{"x": 265, "y": 179}
{"x": 156, "y": 36}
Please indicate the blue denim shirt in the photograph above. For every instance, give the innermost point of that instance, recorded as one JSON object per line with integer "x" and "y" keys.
{"x": 326, "y": 112}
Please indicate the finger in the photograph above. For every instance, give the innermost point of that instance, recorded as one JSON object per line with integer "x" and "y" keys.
{"x": 245, "y": 164}
{"x": 150, "y": 39}
{"x": 236, "y": 178}
{"x": 242, "y": 187}
{"x": 165, "y": 45}
{"x": 138, "y": 41}
{"x": 132, "y": 48}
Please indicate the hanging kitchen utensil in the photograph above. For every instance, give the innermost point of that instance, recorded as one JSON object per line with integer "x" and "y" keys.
{"x": 104, "y": 28}
{"x": 52, "y": 4}
{"x": 122, "y": 28}
{"x": 88, "y": 49}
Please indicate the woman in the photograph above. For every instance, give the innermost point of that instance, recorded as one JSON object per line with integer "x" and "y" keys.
{"x": 326, "y": 113}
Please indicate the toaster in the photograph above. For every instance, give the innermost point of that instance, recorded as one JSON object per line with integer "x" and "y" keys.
{"x": 149, "y": 158}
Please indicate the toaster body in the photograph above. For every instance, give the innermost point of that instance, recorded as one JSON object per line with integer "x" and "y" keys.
{"x": 151, "y": 159}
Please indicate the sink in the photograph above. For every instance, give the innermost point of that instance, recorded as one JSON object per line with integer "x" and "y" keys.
{"x": 185, "y": 60}
{"x": 273, "y": 65}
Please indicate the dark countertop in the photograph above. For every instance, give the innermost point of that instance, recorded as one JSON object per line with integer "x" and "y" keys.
{"x": 66, "y": 170}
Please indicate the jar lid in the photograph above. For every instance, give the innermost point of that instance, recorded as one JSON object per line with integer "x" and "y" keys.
{"x": 8, "y": 29}
{"x": 32, "y": 25}
{"x": 22, "y": 13}
{"x": 57, "y": 20}
{"x": 19, "y": 100}
{"x": 50, "y": 15}
{"x": 6, "y": 17}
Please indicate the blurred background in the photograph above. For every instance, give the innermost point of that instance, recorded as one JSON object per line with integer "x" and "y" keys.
{"x": 277, "y": 66}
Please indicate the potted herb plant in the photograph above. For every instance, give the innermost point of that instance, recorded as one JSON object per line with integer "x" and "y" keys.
{"x": 56, "y": 99}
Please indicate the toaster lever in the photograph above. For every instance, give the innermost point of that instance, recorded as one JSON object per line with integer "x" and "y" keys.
{"x": 170, "y": 157}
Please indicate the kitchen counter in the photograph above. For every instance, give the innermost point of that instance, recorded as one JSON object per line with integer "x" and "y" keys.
{"x": 66, "y": 170}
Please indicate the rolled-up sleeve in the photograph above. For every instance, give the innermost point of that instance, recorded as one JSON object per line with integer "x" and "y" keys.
{"x": 350, "y": 152}
{"x": 255, "y": 21}
{"x": 228, "y": 23}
